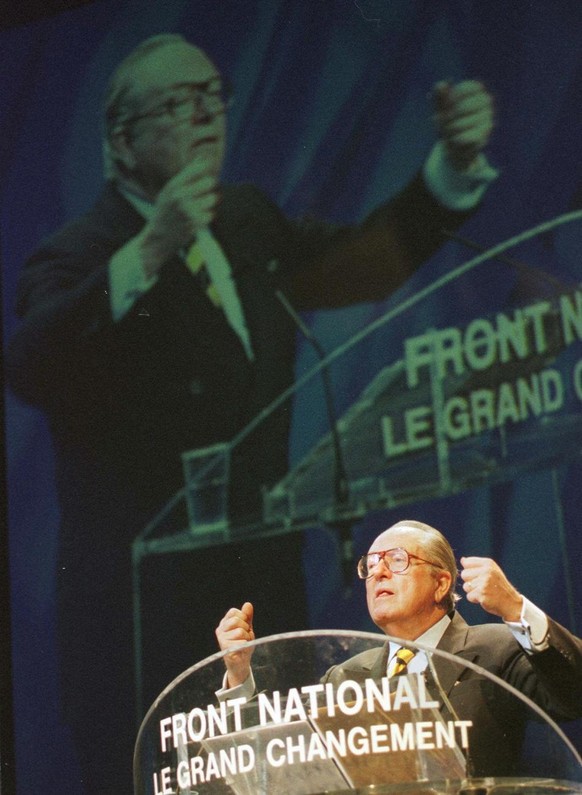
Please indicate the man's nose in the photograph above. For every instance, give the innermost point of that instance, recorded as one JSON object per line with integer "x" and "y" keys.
{"x": 205, "y": 108}
{"x": 382, "y": 570}
{"x": 200, "y": 112}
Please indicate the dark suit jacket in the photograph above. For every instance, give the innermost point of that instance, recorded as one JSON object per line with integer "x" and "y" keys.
{"x": 552, "y": 679}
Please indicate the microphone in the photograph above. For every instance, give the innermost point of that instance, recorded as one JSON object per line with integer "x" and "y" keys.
{"x": 341, "y": 487}
{"x": 523, "y": 268}
{"x": 340, "y": 479}
{"x": 470, "y": 765}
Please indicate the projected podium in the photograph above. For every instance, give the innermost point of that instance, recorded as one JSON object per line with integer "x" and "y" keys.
{"x": 301, "y": 731}
{"x": 462, "y": 407}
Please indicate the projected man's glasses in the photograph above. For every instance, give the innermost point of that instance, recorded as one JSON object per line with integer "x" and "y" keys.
{"x": 211, "y": 97}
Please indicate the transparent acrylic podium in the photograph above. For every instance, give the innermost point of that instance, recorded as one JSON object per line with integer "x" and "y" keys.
{"x": 300, "y": 733}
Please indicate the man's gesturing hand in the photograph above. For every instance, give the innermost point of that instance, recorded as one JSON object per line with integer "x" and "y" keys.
{"x": 485, "y": 584}
{"x": 185, "y": 204}
{"x": 235, "y": 629}
{"x": 464, "y": 116}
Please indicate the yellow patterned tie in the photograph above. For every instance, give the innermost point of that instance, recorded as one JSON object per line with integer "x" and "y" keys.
{"x": 195, "y": 262}
{"x": 400, "y": 662}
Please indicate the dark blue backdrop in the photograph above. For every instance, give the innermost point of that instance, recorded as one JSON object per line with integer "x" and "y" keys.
{"x": 331, "y": 116}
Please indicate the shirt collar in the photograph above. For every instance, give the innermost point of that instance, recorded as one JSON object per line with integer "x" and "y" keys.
{"x": 431, "y": 637}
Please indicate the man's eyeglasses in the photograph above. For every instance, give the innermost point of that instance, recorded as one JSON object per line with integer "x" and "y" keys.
{"x": 209, "y": 98}
{"x": 397, "y": 560}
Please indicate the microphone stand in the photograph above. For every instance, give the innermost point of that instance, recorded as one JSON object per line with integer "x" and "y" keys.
{"x": 340, "y": 479}
{"x": 470, "y": 765}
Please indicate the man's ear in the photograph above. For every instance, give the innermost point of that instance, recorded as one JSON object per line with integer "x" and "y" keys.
{"x": 121, "y": 149}
{"x": 443, "y": 584}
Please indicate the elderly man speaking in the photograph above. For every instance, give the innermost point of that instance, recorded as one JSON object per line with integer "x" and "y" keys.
{"x": 410, "y": 574}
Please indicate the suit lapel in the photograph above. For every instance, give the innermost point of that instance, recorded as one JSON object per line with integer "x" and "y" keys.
{"x": 454, "y": 641}
{"x": 368, "y": 665}
{"x": 119, "y": 216}
{"x": 378, "y": 667}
